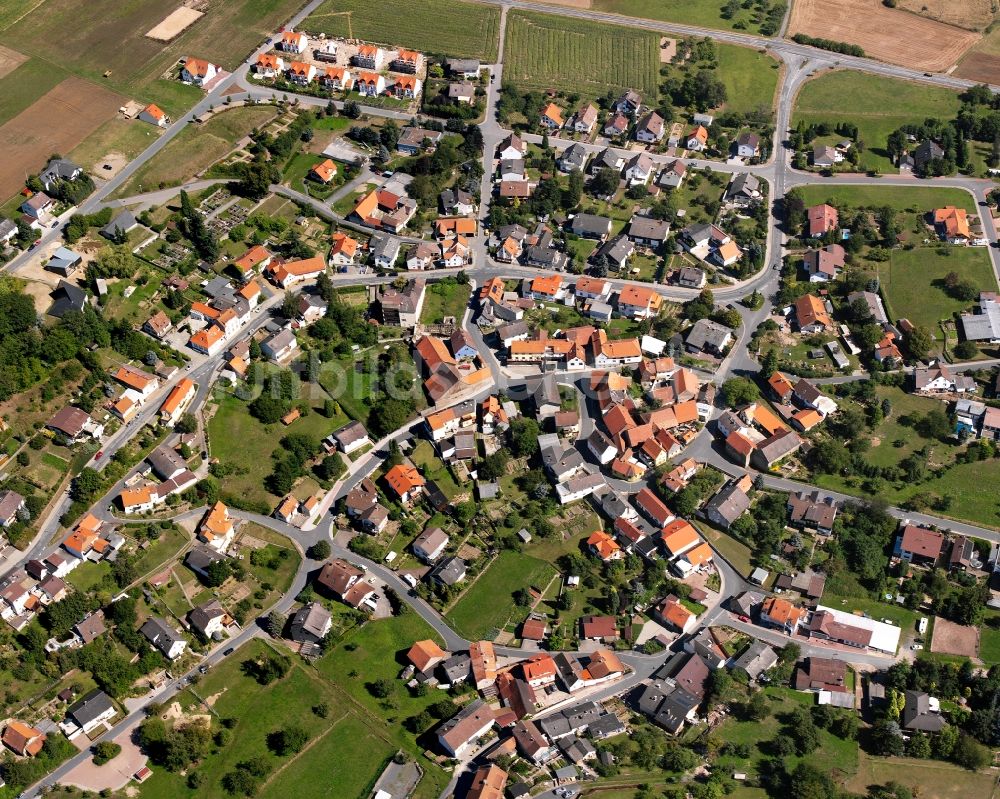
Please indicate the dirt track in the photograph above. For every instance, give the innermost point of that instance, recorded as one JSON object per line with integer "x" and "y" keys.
{"x": 887, "y": 34}
{"x": 55, "y": 123}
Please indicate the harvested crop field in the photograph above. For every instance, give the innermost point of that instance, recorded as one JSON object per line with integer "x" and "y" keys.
{"x": 55, "y": 123}
{"x": 887, "y": 34}
{"x": 589, "y": 58}
{"x": 972, "y": 15}
{"x": 955, "y": 639}
{"x": 10, "y": 60}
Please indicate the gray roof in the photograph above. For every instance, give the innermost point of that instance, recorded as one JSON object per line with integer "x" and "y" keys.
{"x": 384, "y": 246}
{"x": 91, "y": 707}
{"x": 758, "y": 658}
{"x": 166, "y": 461}
{"x": 310, "y": 620}
{"x": 743, "y": 184}
{"x": 6, "y": 228}
{"x": 617, "y": 250}
{"x": 65, "y": 298}
{"x": 573, "y": 157}
{"x": 645, "y": 227}
{"x": 123, "y": 222}
{"x": 350, "y": 433}
{"x": 160, "y": 634}
{"x": 450, "y": 571}
{"x": 58, "y": 169}
{"x": 201, "y": 557}
{"x": 590, "y": 224}
{"x": 874, "y": 303}
{"x": 729, "y": 503}
{"x": 705, "y": 332}
{"x": 917, "y": 714}
{"x": 205, "y": 613}
{"x": 457, "y": 667}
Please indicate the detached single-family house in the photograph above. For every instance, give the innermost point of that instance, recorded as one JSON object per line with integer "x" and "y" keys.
{"x": 198, "y": 71}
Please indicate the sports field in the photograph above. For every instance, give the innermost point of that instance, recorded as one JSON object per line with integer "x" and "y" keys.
{"x": 55, "y": 123}
{"x": 542, "y": 51}
{"x": 448, "y": 27}
{"x": 875, "y": 104}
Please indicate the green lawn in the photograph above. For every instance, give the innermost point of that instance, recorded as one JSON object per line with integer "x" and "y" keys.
{"x": 901, "y": 198}
{"x": 884, "y": 452}
{"x": 833, "y": 754}
{"x": 161, "y": 550}
{"x": 196, "y": 148}
{"x": 543, "y": 51}
{"x": 701, "y": 14}
{"x": 239, "y": 439}
{"x": 448, "y": 27}
{"x": 912, "y": 281}
{"x": 353, "y": 746}
{"x": 87, "y": 576}
{"x": 989, "y": 645}
{"x": 486, "y": 606}
{"x": 126, "y": 136}
{"x": 444, "y": 298}
{"x": 351, "y": 383}
{"x": 433, "y": 468}
{"x": 750, "y": 77}
{"x": 376, "y": 651}
{"x": 877, "y": 105}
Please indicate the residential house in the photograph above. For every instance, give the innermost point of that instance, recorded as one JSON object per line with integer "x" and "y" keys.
{"x": 812, "y": 511}
{"x": 743, "y": 190}
{"x": 920, "y": 545}
{"x": 811, "y": 314}
{"x": 727, "y": 505}
{"x": 310, "y": 624}
{"x": 90, "y": 712}
{"x": 198, "y": 71}
{"x": 459, "y": 733}
{"x": 756, "y": 659}
{"x": 824, "y": 264}
{"x": 164, "y": 637}
{"x": 708, "y": 336}
{"x": 269, "y": 65}
{"x": 952, "y": 224}
{"x": 430, "y": 544}
{"x": 589, "y": 226}
{"x": 584, "y": 119}
{"x": 672, "y": 175}
{"x": 628, "y": 103}
{"x": 405, "y": 481}
{"x": 921, "y": 712}
{"x": 279, "y": 346}
{"x": 697, "y": 139}
{"x": 747, "y": 145}
{"x": 821, "y": 219}
{"x": 650, "y": 128}
{"x": 551, "y": 117}
{"x": 210, "y": 619}
{"x": 344, "y": 582}
{"x": 825, "y": 156}
{"x": 782, "y": 614}
{"x": 572, "y": 158}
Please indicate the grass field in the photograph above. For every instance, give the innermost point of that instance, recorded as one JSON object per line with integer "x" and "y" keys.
{"x": 588, "y": 58}
{"x": 196, "y": 148}
{"x": 434, "y": 26}
{"x": 375, "y": 651}
{"x": 20, "y": 88}
{"x": 875, "y": 104}
{"x": 238, "y": 438}
{"x": 92, "y": 37}
{"x": 444, "y": 298}
{"x": 750, "y": 77}
{"x": 433, "y": 468}
{"x": 352, "y": 745}
{"x": 487, "y": 604}
{"x": 989, "y": 645}
{"x": 934, "y": 779}
{"x": 833, "y": 755}
{"x": 900, "y": 198}
{"x": 911, "y": 280}
{"x": 703, "y": 14}
{"x": 129, "y": 137}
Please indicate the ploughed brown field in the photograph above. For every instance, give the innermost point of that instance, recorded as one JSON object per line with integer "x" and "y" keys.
{"x": 55, "y": 123}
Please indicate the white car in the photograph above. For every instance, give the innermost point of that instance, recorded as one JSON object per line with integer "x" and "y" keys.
{"x": 916, "y": 647}
{"x": 410, "y": 580}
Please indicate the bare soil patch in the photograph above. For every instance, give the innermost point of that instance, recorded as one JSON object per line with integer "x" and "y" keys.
{"x": 571, "y": 3}
{"x": 55, "y": 123}
{"x": 10, "y": 60}
{"x": 955, "y": 639}
{"x": 980, "y": 67}
{"x": 887, "y": 34}
{"x": 174, "y": 23}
